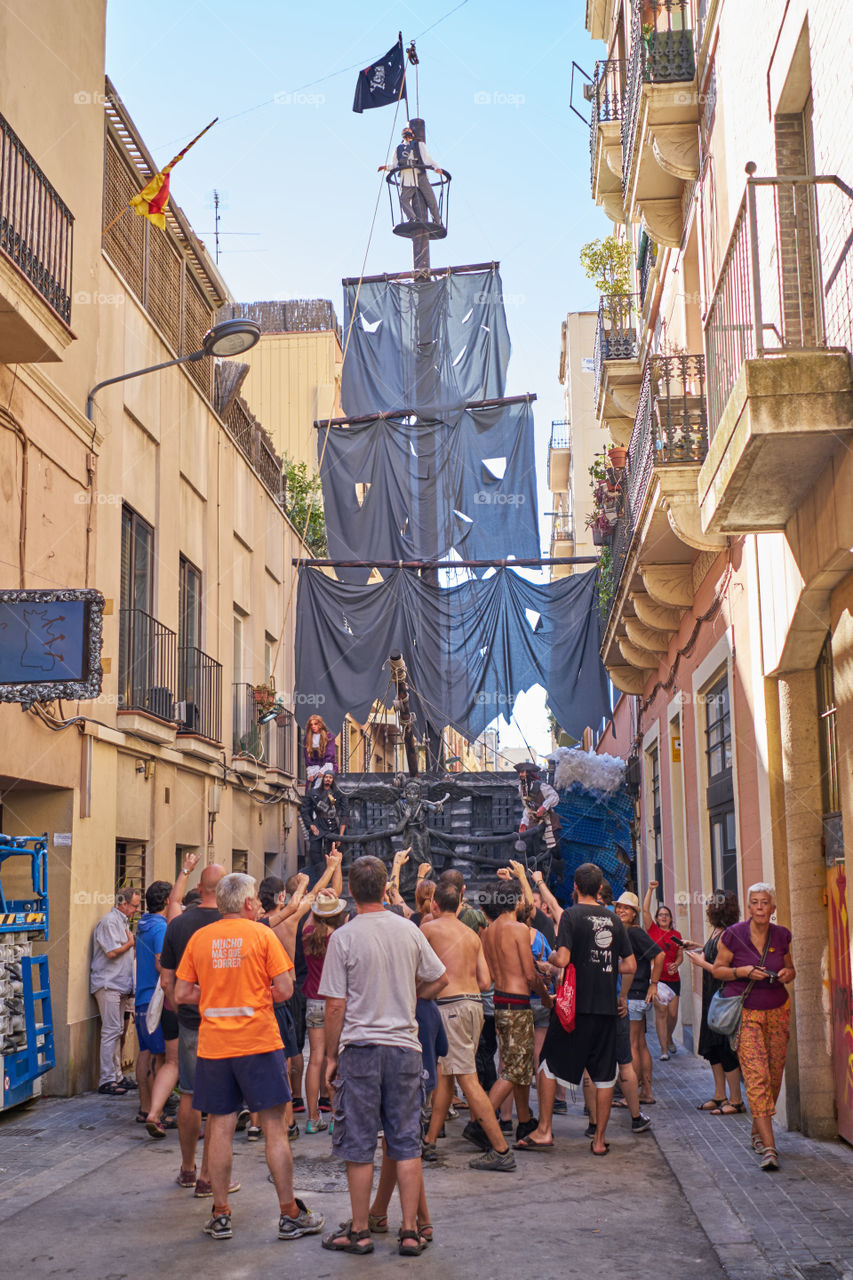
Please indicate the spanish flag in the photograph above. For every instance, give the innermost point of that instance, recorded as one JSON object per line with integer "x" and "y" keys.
{"x": 152, "y": 200}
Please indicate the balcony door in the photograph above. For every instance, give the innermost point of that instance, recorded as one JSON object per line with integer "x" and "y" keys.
{"x": 720, "y": 796}
{"x": 191, "y": 689}
{"x": 137, "y": 644}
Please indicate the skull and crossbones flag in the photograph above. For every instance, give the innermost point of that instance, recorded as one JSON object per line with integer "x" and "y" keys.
{"x": 382, "y": 83}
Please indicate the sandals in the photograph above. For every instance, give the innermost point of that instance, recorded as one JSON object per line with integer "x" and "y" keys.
{"x": 769, "y": 1160}
{"x": 417, "y": 1242}
{"x": 378, "y": 1222}
{"x": 156, "y": 1128}
{"x": 112, "y": 1090}
{"x": 713, "y": 1104}
{"x": 345, "y": 1240}
{"x": 605, "y": 1152}
{"x": 730, "y": 1109}
{"x": 425, "y": 1231}
{"x": 756, "y": 1143}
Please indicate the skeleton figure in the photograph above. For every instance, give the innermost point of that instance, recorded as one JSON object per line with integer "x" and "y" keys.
{"x": 412, "y": 811}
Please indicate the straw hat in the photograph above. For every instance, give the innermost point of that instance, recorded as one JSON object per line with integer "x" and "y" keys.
{"x": 327, "y": 905}
{"x": 628, "y": 900}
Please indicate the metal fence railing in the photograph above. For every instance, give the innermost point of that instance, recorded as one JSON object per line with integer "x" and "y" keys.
{"x": 560, "y": 437}
{"x": 147, "y": 669}
{"x": 786, "y": 280}
{"x": 616, "y": 332}
{"x": 245, "y": 730}
{"x": 607, "y": 89}
{"x": 36, "y": 227}
{"x": 661, "y": 53}
{"x": 562, "y": 528}
{"x": 200, "y": 692}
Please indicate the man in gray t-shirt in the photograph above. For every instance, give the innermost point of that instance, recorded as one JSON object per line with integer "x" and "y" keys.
{"x": 111, "y": 979}
{"x": 375, "y": 969}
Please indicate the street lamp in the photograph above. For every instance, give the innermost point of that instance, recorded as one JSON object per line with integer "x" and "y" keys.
{"x": 230, "y": 338}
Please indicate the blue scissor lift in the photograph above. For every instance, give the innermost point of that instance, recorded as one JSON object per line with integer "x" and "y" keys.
{"x": 26, "y": 1018}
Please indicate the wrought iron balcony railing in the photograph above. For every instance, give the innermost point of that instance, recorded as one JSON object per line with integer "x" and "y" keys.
{"x": 245, "y": 730}
{"x": 661, "y": 53}
{"x": 616, "y": 332}
{"x": 560, "y": 435}
{"x": 607, "y": 89}
{"x": 646, "y": 262}
{"x": 36, "y": 227}
{"x": 786, "y": 281}
{"x": 670, "y": 429}
{"x": 562, "y": 528}
{"x": 200, "y": 693}
{"x": 147, "y": 666}
{"x": 277, "y": 738}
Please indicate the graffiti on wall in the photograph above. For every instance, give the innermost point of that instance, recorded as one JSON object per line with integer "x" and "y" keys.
{"x": 841, "y": 997}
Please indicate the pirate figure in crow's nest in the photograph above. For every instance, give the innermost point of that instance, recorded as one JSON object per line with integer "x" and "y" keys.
{"x": 538, "y": 799}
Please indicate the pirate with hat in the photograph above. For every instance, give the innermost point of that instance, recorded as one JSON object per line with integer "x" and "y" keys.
{"x": 538, "y": 799}
{"x": 416, "y": 193}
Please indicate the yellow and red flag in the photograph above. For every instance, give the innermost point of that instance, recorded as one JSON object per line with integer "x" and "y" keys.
{"x": 152, "y": 200}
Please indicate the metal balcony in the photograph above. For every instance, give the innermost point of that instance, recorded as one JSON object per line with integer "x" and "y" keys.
{"x": 245, "y": 730}
{"x": 36, "y": 235}
{"x": 778, "y": 335}
{"x": 605, "y": 138}
{"x": 559, "y": 456}
{"x": 199, "y": 693}
{"x": 147, "y": 664}
{"x": 617, "y": 348}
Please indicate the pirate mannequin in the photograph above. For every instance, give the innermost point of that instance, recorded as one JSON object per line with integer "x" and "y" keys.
{"x": 324, "y": 814}
{"x": 538, "y": 799}
{"x": 413, "y": 160}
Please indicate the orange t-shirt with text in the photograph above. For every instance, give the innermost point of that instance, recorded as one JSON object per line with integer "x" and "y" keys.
{"x": 234, "y": 961}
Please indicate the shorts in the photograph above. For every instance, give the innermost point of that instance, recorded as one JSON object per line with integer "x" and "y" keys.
{"x": 257, "y": 1080}
{"x": 169, "y": 1024}
{"x": 296, "y": 1005}
{"x": 315, "y": 1013}
{"x": 286, "y": 1029}
{"x": 378, "y": 1086}
{"x": 590, "y": 1047}
{"x": 154, "y": 1043}
{"x": 637, "y": 1010}
{"x": 187, "y": 1057}
{"x": 674, "y": 984}
{"x": 515, "y": 1041}
{"x": 463, "y": 1022}
{"x": 623, "y": 1042}
{"x": 541, "y": 1015}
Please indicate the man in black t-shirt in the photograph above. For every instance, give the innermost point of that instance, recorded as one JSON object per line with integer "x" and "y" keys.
{"x": 592, "y": 939}
{"x": 178, "y": 934}
{"x": 643, "y": 989}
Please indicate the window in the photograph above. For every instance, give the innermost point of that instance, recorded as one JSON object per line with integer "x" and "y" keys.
{"x": 137, "y": 562}
{"x": 827, "y": 730}
{"x": 240, "y": 860}
{"x": 189, "y": 606}
{"x": 720, "y": 790}
{"x": 238, "y": 648}
{"x": 130, "y": 865}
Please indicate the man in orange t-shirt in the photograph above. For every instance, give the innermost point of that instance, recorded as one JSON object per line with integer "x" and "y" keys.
{"x": 233, "y": 969}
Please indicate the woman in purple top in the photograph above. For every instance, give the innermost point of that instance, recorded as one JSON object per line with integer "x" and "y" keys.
{"x": 766, "y": 1012}
{"x": 321, "y": 752}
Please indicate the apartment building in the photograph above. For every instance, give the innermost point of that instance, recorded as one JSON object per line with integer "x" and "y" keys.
{"x": 575, "y": 440}
{"x": 163, "y": 491}
{"x": 720, "y": 155}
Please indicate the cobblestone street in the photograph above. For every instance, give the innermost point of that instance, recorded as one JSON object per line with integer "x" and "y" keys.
{"x": 84, "y": 1192}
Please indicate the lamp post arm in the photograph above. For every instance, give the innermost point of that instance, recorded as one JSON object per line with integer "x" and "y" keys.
{"x": 123, "y": 377}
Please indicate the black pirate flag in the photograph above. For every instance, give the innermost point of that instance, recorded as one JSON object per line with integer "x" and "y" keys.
{"x": 381, "y": 83}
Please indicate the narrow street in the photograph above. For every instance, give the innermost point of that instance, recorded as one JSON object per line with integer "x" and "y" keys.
{"x": 84, "y": 1192}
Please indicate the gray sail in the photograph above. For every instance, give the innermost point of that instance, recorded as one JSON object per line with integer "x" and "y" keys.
{"x": 424, "y": 345}
{"x": 470, "y": 649}
{"x": 403, "y": 489}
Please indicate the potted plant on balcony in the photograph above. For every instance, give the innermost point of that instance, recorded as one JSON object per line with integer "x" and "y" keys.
{"x": 618, "y": 456}
{"x": 264, "y": 696}
{"x": 608, "y": 264}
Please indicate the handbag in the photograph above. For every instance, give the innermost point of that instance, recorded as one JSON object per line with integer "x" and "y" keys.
{"x": 567, "y": 998}
{"x": 725, "y": 1012}
{"x": 154, "y": 1010}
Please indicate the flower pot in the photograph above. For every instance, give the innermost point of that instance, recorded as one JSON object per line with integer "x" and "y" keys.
{"x": 618, "y": 457}
{"x": 599, "y": 537}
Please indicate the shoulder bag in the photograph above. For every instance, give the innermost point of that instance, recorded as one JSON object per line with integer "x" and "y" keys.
{"x": 567, "y": 998}
{"x": 155, "y": 1010}
{"x": 725, "y": 1012}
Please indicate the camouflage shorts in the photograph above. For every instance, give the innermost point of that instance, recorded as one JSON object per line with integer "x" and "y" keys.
{"x": 515, "y": 1041}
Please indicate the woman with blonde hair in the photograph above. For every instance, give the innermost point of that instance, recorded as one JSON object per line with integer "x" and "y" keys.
{"x": 328, "y": 912}
{"x": 754, "y": 960}
{"x": 321, "y": 752}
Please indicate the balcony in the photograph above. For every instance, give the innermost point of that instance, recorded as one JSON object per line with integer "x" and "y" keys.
{"x": 605, "y": 138}
{"x": 147, "y": 675}
{"x": 658, "y": 531}
{"x": 616, "y": 358}
{"x": 277, "y": 742}
{"x": 778, "y": 336}
{"x": 36, "y": 237}
{"x": 245, "y": 730}
{"x": 559, "y": 457}
{"x": 199, "y": 694}
{"x": 660, "y": 135}
{"x": 647, "y": 259}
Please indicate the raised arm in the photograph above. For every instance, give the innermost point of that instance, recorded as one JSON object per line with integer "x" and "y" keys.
{"x": 173, "y": 904}
{"x": 555, "y": 911}
{"x": 647, "y": 904}
{"x": 521, "y": 876}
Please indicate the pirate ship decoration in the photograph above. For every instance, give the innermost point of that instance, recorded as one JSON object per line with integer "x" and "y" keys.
{"x": 429, "y": 494}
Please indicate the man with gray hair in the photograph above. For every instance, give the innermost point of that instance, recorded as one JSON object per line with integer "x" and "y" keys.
{"x": 233, "y": 970}
{"x": 111, "y": 983}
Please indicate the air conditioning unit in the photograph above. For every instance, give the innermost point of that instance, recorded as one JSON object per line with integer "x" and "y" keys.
{"x": 187, "y": 716}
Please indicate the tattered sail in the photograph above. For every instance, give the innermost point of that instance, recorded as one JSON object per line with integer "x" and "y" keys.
{"x": 470, "y": 649}
{"x": 424, "y": 346}
{"x": 411, "y": 489}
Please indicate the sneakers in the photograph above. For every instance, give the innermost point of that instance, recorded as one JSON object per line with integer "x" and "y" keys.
{"x": 293, "y": 1132}
{"x": 505, "y": 1125}
{"x": 304, "y": 1224}
{"x": 664, "y": 1057}
{"x": 640, "y": 1123}
{"x": 561, "y": 1107}
{"x": 316, "y": 1126}
{"x": 243, "y": 1118}
{"x": 298, "y": 1105}
{"x": 253, "y": 1133}
{"x": 672, "y": 1050}
{"x": 324, "y": 1103}
{"x": 429, "y": 1152}
{"x": 219, "y": 1227}
{"x": 524, "y": 1127}
{"x": 492, "y": 1161}
{"x": 473, "y": 1132}
{"x": 589, "y": 1131}
{"x": 186, "y": 1178}
{"x": 452, "y": 1113}
{"x": 204, "y": 1189}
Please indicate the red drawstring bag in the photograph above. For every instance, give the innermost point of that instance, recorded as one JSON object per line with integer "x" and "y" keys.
{"x": 567, "y": 999}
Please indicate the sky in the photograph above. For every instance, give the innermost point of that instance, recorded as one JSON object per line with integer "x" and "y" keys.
{"x": 296, "y": 168}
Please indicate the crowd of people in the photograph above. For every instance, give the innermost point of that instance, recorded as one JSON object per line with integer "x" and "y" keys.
{"x": 412, "y": 1012}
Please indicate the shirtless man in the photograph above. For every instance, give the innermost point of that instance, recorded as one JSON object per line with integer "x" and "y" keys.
{"x": 461, "y": 952}
{"x": 506, "y": 943}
